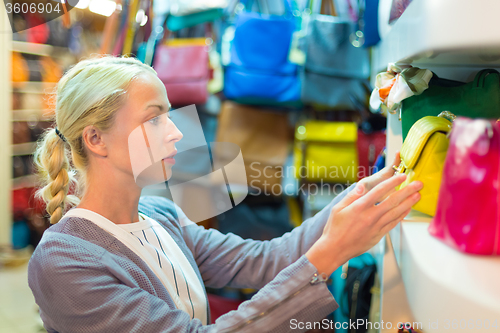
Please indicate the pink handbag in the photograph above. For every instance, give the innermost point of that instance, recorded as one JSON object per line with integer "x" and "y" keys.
{"x": 468, "y": 210}
{"x": 185, "y": 73}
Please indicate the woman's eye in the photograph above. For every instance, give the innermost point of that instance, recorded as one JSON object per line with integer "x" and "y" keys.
{"x": 155, "y": 120}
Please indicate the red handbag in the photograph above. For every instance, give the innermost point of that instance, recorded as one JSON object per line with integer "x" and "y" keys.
{"x": 468, "y": 210}
{"x": 369, "y": 147}
{"x": 185, "y": 73}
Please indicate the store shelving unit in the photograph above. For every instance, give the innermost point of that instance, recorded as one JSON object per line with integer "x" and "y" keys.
{"x": 443, "y": 32}
{"x": 455, "y": 39}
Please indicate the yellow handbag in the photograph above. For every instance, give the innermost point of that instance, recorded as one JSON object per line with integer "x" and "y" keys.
{"x": 326, "y": 151}
{"x": 422, "y": 158}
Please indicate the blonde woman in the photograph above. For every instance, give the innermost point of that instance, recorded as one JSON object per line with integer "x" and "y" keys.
{"x": 105, "y": 267}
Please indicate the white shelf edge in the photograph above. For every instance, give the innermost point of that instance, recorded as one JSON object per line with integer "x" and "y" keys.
{"x": 441, "y": 282}
{"x": 37, "y": 49}
{"x": 31, "y": 115}
{"x": 22, "y": 149}
{"x": 24, "y": 182}
{"x": 33, "y": 87}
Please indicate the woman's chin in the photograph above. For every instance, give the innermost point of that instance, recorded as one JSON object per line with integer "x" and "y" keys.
{"x": 155, "y": 174}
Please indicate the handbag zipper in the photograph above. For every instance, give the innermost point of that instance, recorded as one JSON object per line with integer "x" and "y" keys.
{"x": 316, "y": 279}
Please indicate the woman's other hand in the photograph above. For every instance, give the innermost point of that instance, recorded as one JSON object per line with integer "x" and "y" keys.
{"x": 361, "y": 219}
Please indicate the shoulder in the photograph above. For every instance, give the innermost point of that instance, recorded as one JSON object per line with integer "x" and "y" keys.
{"x": 164, "y": 211}
{"x": 56, "y": 243}
{"x": 156, "y": 205}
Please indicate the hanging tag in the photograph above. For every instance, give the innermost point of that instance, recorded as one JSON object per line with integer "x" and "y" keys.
{"x": 227, "y": 38}
{"x": 296, "y": 55}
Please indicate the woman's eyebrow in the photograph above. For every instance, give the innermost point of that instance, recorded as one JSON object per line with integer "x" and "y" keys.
{"x": 159, "y": 106}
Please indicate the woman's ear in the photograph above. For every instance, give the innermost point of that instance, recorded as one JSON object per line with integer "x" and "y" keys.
{"x": 93, "y": 140}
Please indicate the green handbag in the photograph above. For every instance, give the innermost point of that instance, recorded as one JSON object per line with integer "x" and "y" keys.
{"x": 477, "y": 99}
{"x": 175, "y": 23}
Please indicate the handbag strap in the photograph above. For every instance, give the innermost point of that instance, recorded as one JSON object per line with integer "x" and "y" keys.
{"x": 328, "y": 4}
{"x": 481, "y": 77}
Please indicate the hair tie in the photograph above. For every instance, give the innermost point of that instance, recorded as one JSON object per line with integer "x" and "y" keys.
{"x": 61, "y": 136}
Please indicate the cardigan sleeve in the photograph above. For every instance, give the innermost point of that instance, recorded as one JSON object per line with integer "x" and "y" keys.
{"x": 228, "y": 260}
{"x": 79, "y": 291}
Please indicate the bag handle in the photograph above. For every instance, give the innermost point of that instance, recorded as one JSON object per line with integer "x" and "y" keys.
{"x": 331, "y": 8}
{"x": 481, "y": 77}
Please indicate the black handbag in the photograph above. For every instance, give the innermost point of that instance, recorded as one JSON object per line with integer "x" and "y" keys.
{"x": 358, "y": 285}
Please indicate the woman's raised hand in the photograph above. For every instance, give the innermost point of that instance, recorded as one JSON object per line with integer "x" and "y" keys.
{"x": 361, "y": 219}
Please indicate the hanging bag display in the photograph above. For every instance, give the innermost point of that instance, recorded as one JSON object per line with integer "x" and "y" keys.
{"x": 335, "y": 71}
{"x": 326, "y": 152}
{"x": 185, "y": 14}
{"x": 263, "y": 137}
{"x": 468, "y": 210}
{"x": 477, "y": 99}
{"x": 183, "y": 66}
{"x": 259, "y": 71}
{"x": 422, "y": 158}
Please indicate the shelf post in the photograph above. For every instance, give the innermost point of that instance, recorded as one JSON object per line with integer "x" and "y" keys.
{"x": 5, "y": 130}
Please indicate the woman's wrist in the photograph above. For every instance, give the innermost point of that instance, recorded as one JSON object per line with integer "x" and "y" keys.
{"x": 324, "y": 256}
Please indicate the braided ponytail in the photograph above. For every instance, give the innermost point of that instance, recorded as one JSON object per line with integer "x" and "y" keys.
{"x": 51, "y": 159}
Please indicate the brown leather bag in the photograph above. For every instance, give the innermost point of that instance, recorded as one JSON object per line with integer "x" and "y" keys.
{"x": 264, "y": 137}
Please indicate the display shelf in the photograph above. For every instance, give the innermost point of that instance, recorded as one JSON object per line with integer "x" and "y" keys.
{"x": 31, "y": 115}
{"x": 24, "y": 182}
{"x": 34, "y": 87}
{"x": 21, "y": 149}
{"x": 443, "y": 32}
{"x": 37, "y": 49}
{"x": 443, "y": 284}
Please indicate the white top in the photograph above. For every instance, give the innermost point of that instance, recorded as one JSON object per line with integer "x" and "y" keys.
{"x": 150, "y": 241}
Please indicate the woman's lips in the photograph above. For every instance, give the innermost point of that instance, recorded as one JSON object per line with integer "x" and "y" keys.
{"x": 170, "y": 159}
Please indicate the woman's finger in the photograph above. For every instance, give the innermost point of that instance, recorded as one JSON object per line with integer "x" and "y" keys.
{"x": 393, "y": 200}
{"x": 397, "y": 211}
{"x": 389, "y": 226}
{"x": 380, "y": 191}
{"x": 356, "y": 193}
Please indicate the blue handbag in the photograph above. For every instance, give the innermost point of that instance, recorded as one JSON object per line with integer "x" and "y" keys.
{"x": 259, "y": 70}
{"x": 335, "y": 71}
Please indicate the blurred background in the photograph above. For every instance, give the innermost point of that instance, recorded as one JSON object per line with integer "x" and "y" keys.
{"x": 288, "y": 81}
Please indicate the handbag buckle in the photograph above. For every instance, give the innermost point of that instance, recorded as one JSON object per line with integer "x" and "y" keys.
{"x": 399, "y": 169}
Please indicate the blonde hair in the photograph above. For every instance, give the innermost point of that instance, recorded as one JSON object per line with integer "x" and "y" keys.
{"x": 89, "y": 93}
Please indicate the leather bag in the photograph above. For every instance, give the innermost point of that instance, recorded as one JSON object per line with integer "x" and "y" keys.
{"x": 477, "y": 99}
{"x": 422, "y": 158}
{"x": 259, "y": 71}
{"x": 326, "y": 151}
{"x": 184, "y": 70}
{"x": 468, "y": 210}
{"x": 263, "y": 137}
{"x": 335, "y": 71}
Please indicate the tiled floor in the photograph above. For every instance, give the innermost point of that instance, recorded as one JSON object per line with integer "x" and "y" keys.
{"x": 18, "y": 311}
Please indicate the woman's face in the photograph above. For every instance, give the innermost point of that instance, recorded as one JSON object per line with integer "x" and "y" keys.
{"x": 141, "y": 142}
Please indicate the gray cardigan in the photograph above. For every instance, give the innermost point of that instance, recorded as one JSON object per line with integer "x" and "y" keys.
{"x": 85, "y": 280}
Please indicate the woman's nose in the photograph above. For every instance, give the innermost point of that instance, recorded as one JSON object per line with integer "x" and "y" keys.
{"x": 173, "y": 134}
